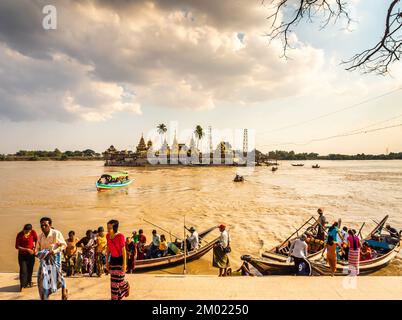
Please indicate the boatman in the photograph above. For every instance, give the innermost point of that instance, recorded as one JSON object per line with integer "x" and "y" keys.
{"x": 50, "y": 245}
{"x": 192, "y": 240}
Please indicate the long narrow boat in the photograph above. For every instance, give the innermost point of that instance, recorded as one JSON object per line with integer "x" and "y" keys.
{"x": 298, "y": 164}
{"x": 274, "y": 261}
{"x": 174, "y": 260}
{"x": 113, "y": 180}
{"x": 386, "y": 252}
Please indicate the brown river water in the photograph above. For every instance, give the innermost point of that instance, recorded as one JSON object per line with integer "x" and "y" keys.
{"x": 260, "y": 212}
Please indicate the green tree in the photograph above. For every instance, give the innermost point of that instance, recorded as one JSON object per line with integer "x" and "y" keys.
{"x": 162, "y": 129}
{"x": 199, "y": 134}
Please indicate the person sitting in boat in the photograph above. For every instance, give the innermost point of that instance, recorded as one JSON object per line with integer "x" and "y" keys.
{"x": 393, "y": 237}
{"x": 192, "y": 240}
{"x": 366, "y": 253}
{"x": 142, "y": 240}
{"x": 163, "y": 247}
{"x": 153, "y": 248}
{"x": 174, "y": 247}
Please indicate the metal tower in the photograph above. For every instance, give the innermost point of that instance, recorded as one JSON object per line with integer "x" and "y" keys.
{"x": 245, "y": 141}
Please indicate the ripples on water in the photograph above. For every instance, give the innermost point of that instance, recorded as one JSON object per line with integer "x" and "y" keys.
{"x": 260, "y": 212}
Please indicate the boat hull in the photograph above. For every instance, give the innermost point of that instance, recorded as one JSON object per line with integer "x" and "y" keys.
{"x": 110, "y": 186}
{"x": 173, "y": 260}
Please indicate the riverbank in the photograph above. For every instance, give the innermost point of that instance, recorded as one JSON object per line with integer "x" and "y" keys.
{"x": 178, "y": 287}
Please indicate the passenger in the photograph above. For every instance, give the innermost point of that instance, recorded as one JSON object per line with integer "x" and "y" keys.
{"x": 153, "y": 248}
{"x": 131, "y": 254}
{"x": 333, "y": 231}
{"x": 344, "y": 243}
{"x": 366, "y": 252}
{"x": 163, "y": 247}
{"x": 88, "y": 244}
{"x": 354, "y": 253}
{"x": 70, "y": 254}
{"x": 50, "y": 245}
{"x": 25, "y": 243}
{"x": 330, "y": 247}
{"x": 321, "y": 224}
{"x": 298, "y": 251}
{"x": 100, "y": 252}
{"x": 142, "y": 240}
{"x": 174, "y": 247}
{"x": 393, "y": 237}
{"x": 192, "y": 240}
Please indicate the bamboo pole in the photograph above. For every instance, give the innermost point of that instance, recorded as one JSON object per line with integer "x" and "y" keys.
{"x": 185, "y": 246}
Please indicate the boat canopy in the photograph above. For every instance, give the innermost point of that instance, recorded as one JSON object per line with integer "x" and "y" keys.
{"x": 115, "y": 175}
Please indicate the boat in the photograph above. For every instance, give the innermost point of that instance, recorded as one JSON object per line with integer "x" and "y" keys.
{"x": 275, "y": 261}
{"x": 297, "y": 164}
{"x": 386, "y": 252}
{"x": 315, "y": 166}
{"x": 113, "y": 180}
{"x": 274, "y": 169}
{"x": 174, "y": 260}
{"x": 238, "y": 178}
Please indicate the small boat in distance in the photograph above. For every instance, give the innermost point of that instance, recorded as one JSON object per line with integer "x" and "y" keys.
{"x": 315, "y": 166}
{"x": 238, "y": 178}
{"x": 274, "y": 169}
{"x": 297, "y": 164}
{"x": 113, "y": 180}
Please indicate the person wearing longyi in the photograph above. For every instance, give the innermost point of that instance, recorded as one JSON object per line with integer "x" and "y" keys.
{"x": 51, "y": 241}
{"x": 220, "y": 252}
{"x": 116, "y": 261}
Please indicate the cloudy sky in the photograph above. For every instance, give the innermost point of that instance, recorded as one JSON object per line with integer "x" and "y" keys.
{"x": 115, "y": 69}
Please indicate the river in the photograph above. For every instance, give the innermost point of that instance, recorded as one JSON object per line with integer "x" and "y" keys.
{"x": 260, "y": 212}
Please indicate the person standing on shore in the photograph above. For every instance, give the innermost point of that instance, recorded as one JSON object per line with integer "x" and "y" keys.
{"x": 354, "y": 245}
{"x": 330, "y": 247}
{"x": 70, "y": 253}
{"x": 101, "y": 243}
{"x": 116, "y": 261}
{"x": 220, "y": 252}
{"x": 88, "y": 244}
{"x": 25, "y": 243}
{"x": 50, "y": 245}
{"x": 298, "y": 251}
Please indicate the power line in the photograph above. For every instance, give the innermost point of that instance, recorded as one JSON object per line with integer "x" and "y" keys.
{"x": 334, "y": 112}
{"x": 335, "y": 136}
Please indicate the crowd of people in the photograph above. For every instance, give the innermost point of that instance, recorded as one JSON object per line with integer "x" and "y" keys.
{"x": 97, "y": 253}
{"x": 339, "y": 245}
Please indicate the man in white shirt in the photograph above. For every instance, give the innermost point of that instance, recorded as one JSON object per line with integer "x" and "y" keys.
{"x": 52, "y": 240}
{"x": 193, "y": 239}
{"x": 298, "y": 251}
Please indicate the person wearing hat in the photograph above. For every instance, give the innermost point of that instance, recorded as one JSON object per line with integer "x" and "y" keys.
{"x": 220, "y": 252}
{"x": 101, "y": 243}
{"x": 192, "y": 240}
{"x": 298, "y": 251}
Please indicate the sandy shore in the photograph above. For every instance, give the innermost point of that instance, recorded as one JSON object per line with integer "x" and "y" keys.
{"x": 160, "y": 287}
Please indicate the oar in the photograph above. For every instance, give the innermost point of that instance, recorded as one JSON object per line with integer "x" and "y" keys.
{"x": 159, "y": 227}
{"x": 360, "y": 230}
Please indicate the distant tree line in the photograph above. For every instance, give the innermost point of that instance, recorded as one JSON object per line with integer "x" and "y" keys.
{"x": 56, "y": 154}
{"x": 291, "y": 155}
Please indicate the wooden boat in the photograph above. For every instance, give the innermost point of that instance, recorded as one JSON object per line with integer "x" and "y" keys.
{"x": 113, "y": 180}
{"x": 238, "y": 178}
{"x": 274, "y": 261}
{"x": 174, "y": 260}
{"x": 315, "y": 166}
{"x": 297, "y": 164}
{"x": 386, "y": 252}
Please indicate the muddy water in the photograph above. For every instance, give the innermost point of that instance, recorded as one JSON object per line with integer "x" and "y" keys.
{"x": 259, "y": 212}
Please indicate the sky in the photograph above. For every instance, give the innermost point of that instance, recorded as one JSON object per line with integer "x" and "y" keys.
{"x": 113, "y": 70}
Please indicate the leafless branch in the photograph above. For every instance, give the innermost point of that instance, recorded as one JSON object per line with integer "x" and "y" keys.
{"x": 374, "y": 60}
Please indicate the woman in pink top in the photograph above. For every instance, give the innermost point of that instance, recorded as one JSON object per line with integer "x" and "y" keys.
{"x": 354, "y": 253}
{"x": 116, "y": 263}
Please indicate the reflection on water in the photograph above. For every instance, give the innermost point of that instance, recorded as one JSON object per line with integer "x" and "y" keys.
{"x": 260, "y": 212}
